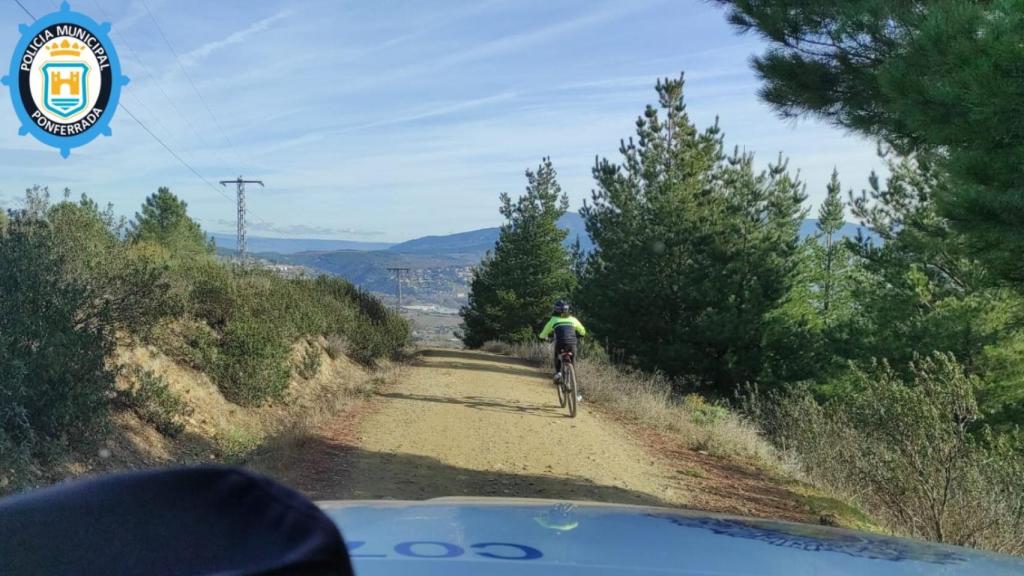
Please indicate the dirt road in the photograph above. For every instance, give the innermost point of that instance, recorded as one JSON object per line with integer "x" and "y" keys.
{"x": 475, "y": 424}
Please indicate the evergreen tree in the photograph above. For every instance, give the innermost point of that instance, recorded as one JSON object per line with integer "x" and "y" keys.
{"x": 164, "y": 220}
{"x": 830, "y": 220}
{"x": 693, "y": 249}
{"x": 938, "y": 79}
{"x": 514, "y": 287}
{"x": 920, "y": 290}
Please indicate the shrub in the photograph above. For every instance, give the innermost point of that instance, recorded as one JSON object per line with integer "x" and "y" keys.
{"x": 908, "y": 448}
{"x": 336, "y": 346}
{"x": 16, "y": 443}
{"x": 53, "y": 343}
{"x": 148, "y": 396}
{"x": 252, "y": 366}
{"x": 372, "y": 339}
{"x": 309, "y": 364}
{"x": 496, "y": 347}
{"x": 213, "y": 296}
{"x": 189, "y": 342}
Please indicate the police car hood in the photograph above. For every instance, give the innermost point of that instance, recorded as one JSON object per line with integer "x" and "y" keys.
{"x": 471, "y": 536}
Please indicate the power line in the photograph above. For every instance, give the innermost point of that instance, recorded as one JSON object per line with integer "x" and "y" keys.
{"x": 152, "y": 134}
{"x": 18, "y": 2}
{"x": 223, "y": 133}
{"x": 173, "y": 153}
{"x": 157, "y": 83}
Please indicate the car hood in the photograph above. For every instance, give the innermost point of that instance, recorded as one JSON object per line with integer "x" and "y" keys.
{"x": 456, "y": 536}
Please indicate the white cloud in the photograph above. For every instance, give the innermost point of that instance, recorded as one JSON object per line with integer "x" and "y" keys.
{"x": 194, "y": 56}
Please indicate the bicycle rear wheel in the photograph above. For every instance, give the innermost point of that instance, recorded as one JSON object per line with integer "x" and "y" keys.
{"x": 570, "y": 389}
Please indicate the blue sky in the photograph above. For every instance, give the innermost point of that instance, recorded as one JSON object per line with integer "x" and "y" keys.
{"x": 386, "y": 120}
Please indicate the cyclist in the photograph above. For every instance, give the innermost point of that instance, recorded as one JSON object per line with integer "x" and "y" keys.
{"x": 565, "y": 327}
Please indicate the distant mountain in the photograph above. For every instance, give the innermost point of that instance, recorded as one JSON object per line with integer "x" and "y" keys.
{"x": 432, "y": 278}
{"x": 472, "y": 242}
{"x": 809, "y": 227}
{"x": 294, "y": 245}
{"x": 440, "y": 266}
{"x": 478, "y": 242}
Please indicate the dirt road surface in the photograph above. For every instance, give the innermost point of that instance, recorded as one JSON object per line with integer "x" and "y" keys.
{"x": 462, "y": 423}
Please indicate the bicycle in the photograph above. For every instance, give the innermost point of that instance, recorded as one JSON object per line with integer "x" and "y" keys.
{"x": 567, "y": 388}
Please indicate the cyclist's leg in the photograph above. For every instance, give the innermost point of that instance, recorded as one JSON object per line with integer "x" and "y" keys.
{"x": 558, "y": 360}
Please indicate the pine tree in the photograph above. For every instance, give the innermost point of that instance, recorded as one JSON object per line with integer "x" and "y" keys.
{"x": 830, "y": 220}
{"x": 939, "y": 80}
{"x": 693, "y": 249}
{"x": 512, "y": 290}
{"x": 164, "y": 220}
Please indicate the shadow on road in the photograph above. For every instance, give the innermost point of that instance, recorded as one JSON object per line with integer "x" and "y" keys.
{"x": 488, "y": 404}
{"x": 327, "y": 470}
{"x": 488, "y": 367}
{"x": 475, "y": 356}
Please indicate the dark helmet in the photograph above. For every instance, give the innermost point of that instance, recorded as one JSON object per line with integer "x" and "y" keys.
{"x": 561, "y": 307}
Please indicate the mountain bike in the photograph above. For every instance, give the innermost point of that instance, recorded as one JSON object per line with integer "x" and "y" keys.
{"x": 567, "y": 389}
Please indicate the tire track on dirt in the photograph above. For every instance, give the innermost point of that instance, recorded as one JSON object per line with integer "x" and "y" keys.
{"x": 462, "y": 423}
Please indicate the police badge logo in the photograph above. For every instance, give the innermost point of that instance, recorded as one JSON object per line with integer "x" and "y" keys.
{"x": 65, "y": 79}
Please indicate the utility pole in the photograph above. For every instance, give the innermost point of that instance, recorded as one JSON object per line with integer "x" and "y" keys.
{"x": 398, "y": 280}
{"x": 240, "y": 188}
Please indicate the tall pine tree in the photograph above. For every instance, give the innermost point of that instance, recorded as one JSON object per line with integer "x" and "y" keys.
{"x": 830, "y": 220}
{"x": 512, "y": 290}
{"x": 693, "y": 249}
{"x": 164, "y": 220}
{"x": 939, "y": 79}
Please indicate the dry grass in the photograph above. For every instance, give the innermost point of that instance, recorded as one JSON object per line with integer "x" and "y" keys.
{"x": 647, "y": 399}
{"x": 218, "y": 430}
{"x": 336, "y": 346}
{"x": 273, "y": 453}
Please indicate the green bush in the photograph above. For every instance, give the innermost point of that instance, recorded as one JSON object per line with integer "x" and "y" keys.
{"x": 68, "y": 290}
{"x": 252, "y": 366}
{"x": 75, "y": 286}
{"x": 17, "y": 440}
{"x": 149, "y": 397}
{"x": 702, "y": 412}
{"x": 189, "y": 342}
{"x": 910, "y": 449}
{"x": 241, "y": 321}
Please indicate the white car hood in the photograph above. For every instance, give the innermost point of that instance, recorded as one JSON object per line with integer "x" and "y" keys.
{"x": 456, "y": 536}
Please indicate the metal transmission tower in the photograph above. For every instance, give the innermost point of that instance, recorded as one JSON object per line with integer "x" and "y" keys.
{"x": 240, "y": 187}
{"x": 398, "y": 281}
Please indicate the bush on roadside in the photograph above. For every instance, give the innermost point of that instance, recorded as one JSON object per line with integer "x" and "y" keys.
{"x": 910, "y": 451}
{"x": 252, "y": 367}
{"x": 496, "y": 347}
{"x": 189, "y": 342}
{"x": 69, "y": 289}
{"x": 336, "y": 346}
{"x": 244, "y": 319}
{"x": 148, "y": 396}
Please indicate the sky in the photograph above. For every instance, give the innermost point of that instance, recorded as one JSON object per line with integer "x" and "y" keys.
{"x": 384, "y": 120}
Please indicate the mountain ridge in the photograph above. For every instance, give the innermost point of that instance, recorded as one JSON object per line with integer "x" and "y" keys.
{"x": 440, "y": 266}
